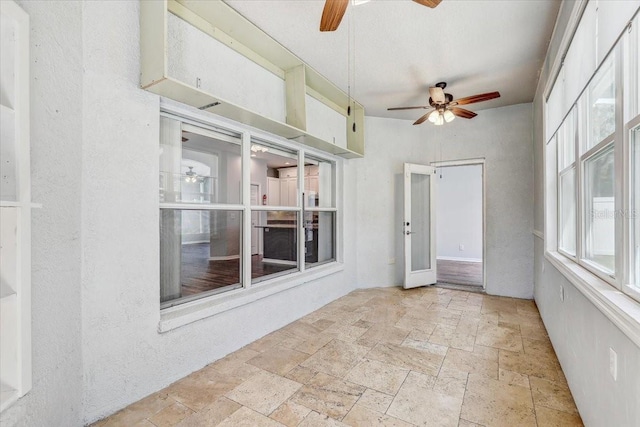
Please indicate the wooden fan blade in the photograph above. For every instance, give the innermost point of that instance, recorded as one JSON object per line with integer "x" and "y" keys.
{"x": 408, "y": 108}
{"x": 461, "y": 112}
{"x": 428, "y": 3}
{"x": 422, "y": 119}
{"x": 476, "y": 98}
{"x": 437, "y": 94}
{"x": 332, "y": 14}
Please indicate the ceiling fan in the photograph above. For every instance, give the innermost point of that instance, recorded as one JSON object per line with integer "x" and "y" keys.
{"x": 334, "y": 11}
{"x": 445, "y": 108}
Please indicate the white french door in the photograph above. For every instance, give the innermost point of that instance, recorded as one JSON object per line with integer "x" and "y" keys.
{"x": 419, "y": 226}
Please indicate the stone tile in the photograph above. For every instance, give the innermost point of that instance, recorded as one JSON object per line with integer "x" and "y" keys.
{"x": 363, "y": 324}
{"x": 494, "y": 403}
{"x": 268, "y": 341}
{"x": 375, "y": 400}
{"x": 442, "y": 335}
{"x": 171, "y": 415}
{"x": 361, "y": 416}
{"x": 471, "y": 362}
{"x": 438, "y": 349}
{"x": 531, "y": 365}
{"x": 514, "y": 378}
{"x": 345, "y": 332}
{"x": 539, "y": 347}
{"x": 377, "y": 375}
{"x": 301, "y": 374}
{"x": 290, "y": 414}
{"x": 499, "y": 304}
{"x": 552, "y": 418}
{"x": 264, "y": 392}
{"x": 407, "y": 358}
{"x": 323, "y": 324}
{"x": 278, "y": 360}
{"x": 138, "y": 411}
{"x": 196, "y": 392}
{"x": 413, "y": 323}
{"x": 465, "y": 423}
{"x": 245, "y": 417}
{"x": 336, "y": 358}
{"x": 418, "y": 404}
{"x": 468, "y": 326}
{"x": 315, "y": 419}
{"x": 382, "y": 333}
{"x": 488, "y": 353}
{"x": 211, "y": 415}
{"x": 451, "y": 382}
{"x": 499, "y": 337}
{"x": 312, "y": 345}
{"x": 302, "y": 329}
{"x": 534, "y": 332}
{"x": 329, "y": 395}
{"x": 552, "y": 395}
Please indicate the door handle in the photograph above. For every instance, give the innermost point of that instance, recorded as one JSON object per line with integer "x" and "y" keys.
{"x": 410, "y": 232}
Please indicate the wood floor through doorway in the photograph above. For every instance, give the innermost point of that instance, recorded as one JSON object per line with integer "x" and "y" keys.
{"x": 460, "y": 272}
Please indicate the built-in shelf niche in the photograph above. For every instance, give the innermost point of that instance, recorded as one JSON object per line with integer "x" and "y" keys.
{"x": 224, "y": 24}
{"x": 15, "y": 206}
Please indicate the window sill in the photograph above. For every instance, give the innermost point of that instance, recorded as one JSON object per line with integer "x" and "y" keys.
{"x": 175, "y": 317}
{"x": 618, "y": 307}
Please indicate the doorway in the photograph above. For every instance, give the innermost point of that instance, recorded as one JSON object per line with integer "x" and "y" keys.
{"x": 460, "y": 223}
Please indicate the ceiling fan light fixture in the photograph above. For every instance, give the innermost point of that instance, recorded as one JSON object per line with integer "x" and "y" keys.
{"x": 433, "y": 117}
{"x": 439, "y": 120}
{"x": 448, "y": 116}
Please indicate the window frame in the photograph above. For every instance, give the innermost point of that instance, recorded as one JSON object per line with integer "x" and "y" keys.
{"x": 627, "y": 117}
{"x": 176, "y": 315}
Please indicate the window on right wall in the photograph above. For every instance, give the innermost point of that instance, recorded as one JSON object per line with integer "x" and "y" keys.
{"x": 597, "y": 173}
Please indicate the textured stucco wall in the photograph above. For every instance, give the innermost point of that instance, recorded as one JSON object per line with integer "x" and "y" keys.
{"x": 56, "y": 150}
{"x": 503, "y": 137}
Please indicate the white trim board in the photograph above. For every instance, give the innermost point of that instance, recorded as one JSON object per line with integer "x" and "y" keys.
{"x": 452, "y": 258}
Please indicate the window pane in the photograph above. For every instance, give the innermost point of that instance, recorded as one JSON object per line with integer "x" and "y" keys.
{"x": 602, "y": 103}
{"x": 275, "y": 170}
{"x": 567, "y": 214}
{"x": 319, "y": 176}
{"x": 199, "y": 253}
{"x": 320, "y": 244}
{"x": 566, "y": 142}
{"x": 274, "y": 244}
{"x": 634, "y": 215}
{"x": 600, "y": 210}
{"x": 198, "y": 165}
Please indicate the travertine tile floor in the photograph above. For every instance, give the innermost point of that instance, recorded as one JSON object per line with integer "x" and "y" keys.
{"x": 380, "y": 357}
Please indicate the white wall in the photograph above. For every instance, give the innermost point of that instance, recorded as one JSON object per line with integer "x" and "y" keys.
{"x": 95, "y": 243}
{"x": 503, "y": 137}
{"x": 581, "y": 335}
{"x": 459, "y": 212}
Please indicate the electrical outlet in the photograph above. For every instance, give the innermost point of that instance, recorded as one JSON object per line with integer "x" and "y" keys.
{"x": 561, "y": 293}
{"x": 392, "y": 260}
{"x": 461, "y": 247}
{"x": 613, "y": 364}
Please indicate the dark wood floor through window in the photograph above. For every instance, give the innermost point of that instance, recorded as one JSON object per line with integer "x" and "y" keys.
{"x": 460, "y": 272}
{"x": 200, "y": 274}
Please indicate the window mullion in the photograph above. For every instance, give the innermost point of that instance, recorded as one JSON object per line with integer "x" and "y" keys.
{"x": 301, "y": 215}
{"x": 619, "y": 172}
{"x": 581, "y": 132}
{"x": 245, "y": 260}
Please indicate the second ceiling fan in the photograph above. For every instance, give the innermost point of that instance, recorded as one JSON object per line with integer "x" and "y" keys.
{"x": 443, "y": 108}
{"x": 334, "y": 11}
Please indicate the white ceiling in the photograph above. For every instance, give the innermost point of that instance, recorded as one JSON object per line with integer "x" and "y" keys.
{"x": 398, "y": 48}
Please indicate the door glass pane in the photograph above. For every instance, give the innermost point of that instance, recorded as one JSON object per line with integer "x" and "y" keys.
{"x": 420, "y": 222}
{"x": 198, "y": 165}
{"x": 602, "y": 103}
{"x": 275, "y": 170}
{"x": 278, "y": 251}
{"x": 320, "y": 244}
{"x": 600, "y": 210}
{"x": 567, "y": 214}
{"x": 634, "y": 215}
{"x": 199, "y": 253}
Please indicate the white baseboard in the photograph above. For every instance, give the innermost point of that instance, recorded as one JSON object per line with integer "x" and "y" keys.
{"x": 224, "y": 258}
{"x": 451, "y": 258}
